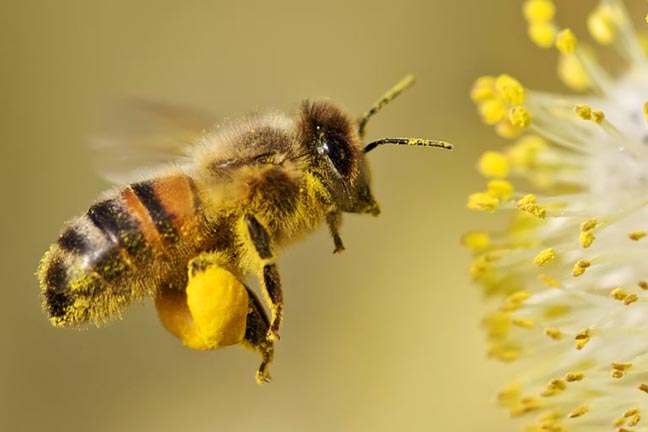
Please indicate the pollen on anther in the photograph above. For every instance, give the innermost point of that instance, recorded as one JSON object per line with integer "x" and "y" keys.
{"x": 584, "y": 111}
{"x": 510, "y": 89}
{"x": 582, "y": 338}
{"x": 520, "y": 117}
{"x": 493, "y": 164}
{"x": 643, "y": 388}
{"x": 574, "y": 376}
{"x": 586, "y": 238}
{"x": 598, "y": 116}
{"x": 601, "y": 25}
{"x": 588, "y": 225}
{"x": 483, "y": 201}
{"x": 580, "y": 267}
{"x": 566, "y": 41}
{"x": 544, "y": 257}
{"x": 554, "y": 333}
{"x": 579, "y": 411}
{"x": 637, "y": 235}
{"x": 529, "y": 205}
{"x": 643, "y": 284}
{"x": 539, "y": 10}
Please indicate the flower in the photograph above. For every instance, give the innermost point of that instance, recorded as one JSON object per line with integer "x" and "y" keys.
{"x": 570, "y": 271}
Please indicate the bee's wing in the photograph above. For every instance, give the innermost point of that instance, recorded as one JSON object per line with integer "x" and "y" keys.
{"x": 142, "y": 135}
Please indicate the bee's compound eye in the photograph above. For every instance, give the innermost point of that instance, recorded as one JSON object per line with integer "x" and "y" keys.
{"x": 339, "y": 152}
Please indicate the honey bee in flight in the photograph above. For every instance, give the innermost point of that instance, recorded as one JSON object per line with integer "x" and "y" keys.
{"x": 190, "y": 235}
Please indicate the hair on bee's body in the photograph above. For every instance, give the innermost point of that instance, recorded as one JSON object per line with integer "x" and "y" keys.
{"x": 190, "y": 234}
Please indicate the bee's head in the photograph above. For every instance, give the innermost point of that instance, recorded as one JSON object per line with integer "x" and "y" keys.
{"x": 335, "y": 143}
{"x": 337, "y": 157}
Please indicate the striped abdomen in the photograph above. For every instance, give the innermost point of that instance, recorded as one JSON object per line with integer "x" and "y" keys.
{"x": 122, "y": 249}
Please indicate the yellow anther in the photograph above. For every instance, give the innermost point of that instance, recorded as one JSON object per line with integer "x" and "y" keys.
{"x": 637, "y": 235}
{"x": 505, "y": 129}
{"x": 544, "y": 257}
{"x": 582, "y": 338}
{"x": 493, "y": 164}
{"x": 618, "y": 294}
{"x": 518, "y": 297}
{"x": 601, "y": 25}
{"x": 549, "y": 281}
{"x": 528, "y": 204}
{"x": 483, "y": 201}
{"x": 523, "y": 322}
{"x": 539, "y": 10}
{"x": 579, "y": 411}
{"x": 643, "y": 284}
{"x": 524, "y": 153}
{"x": 580, "y": 267}
{"x": 509, "y": 89}
{"x": 566, "y": 41}
{"x": 506, "y": 355}
{"x": 573, "y": 74}
{"x": 574, "y": 376}
{"x": 630, "y": 299}
{"x": 509, "y": 395}
{"x": 631, "y": 412}
{"x": 554, "y": 333}
{"x": 618, "y": 422}
{"x": 643, "y": 388}
{"x": 621, "y": 366}
{"x": 586, "y": 239}
{"x": 501, "y": 189}
{"x": 519, "y": 116}
{"x": 557, "y": 384}
{"x": 542, "y": 34}
{"x": 526, "y": 405}
{"x": 598, "y": 116}
{"x": 634, "y": 421}
{"x": 645, "y": 110}
{"x": 483, "y": 89}
{"x": 476, "y": 240}
{"x": 622, "y": 429}
{"x": 583, "y": 111}
{"x": 492, "y": 111}
{"x": 588, "y": 225}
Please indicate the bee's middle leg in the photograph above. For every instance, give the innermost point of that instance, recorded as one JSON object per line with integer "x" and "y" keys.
{"x": 270, "y": 281}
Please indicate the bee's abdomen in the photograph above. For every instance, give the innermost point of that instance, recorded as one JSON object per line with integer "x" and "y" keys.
{"x": 120, "y": 250}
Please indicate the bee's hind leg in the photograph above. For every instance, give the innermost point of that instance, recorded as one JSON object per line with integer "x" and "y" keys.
{"x": 334, "y": 220}
{"x": 255, "y": 336}
{"x": 269, "y": 277}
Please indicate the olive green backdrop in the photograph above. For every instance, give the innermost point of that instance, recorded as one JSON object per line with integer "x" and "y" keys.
{"x": 383, "y": 337}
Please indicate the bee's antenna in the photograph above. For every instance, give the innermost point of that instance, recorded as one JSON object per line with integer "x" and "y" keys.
{"x": 408, "y": 141}
{"x": 387, "y": 97}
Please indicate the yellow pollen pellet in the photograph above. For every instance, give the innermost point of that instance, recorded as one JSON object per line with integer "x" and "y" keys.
{"x": 601, "y": 25}
{"x": 523, "y": 322}
{"x": 501, "y": 189}
{"x": 618, "y": 294}
{"x": 574, "y": 376}
{"x": 554, "y": 333}
{"x": 483, "y": 201}
{"x": 476, "y": 240}
{"x": 588, "y": 225}
{"x": 543, "y": 34}
{"x": 544, "y": 257}
{"x": 645, "y": 110}
{"x": 566, "y": 41}
{"x": 598, "y": 116}
{"x": 492, "y": 111}
{"x": 643, "y": 388}
{"x": 584, "y": 111}
{"x": 519, "y": 116}
{"x": 643, "y": 285}
{"x": 538, "y": 10}
{"x": 580, "y": 267}
{"x": 630, "y": 299}
{"x": 493, "y": 164}
{"x": 509, "y": 89}
{"x": 549, "y": 281}
{"x": 637, "y": 235}
{"x": 586, "y": 239}
{"x": 579, "y": 411}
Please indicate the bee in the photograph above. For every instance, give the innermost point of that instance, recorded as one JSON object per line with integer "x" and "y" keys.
{"x": 189, "y": 235}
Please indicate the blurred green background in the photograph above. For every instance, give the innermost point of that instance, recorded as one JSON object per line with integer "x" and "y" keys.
{"x": 385, "y": 336}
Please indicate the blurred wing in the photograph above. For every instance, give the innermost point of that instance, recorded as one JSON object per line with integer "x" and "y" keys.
{"x": 142, "y": 135}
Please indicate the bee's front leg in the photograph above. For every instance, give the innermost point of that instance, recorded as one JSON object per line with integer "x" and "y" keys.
{"x": 334, "y": 220}
{"x": 269, "y": 277}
